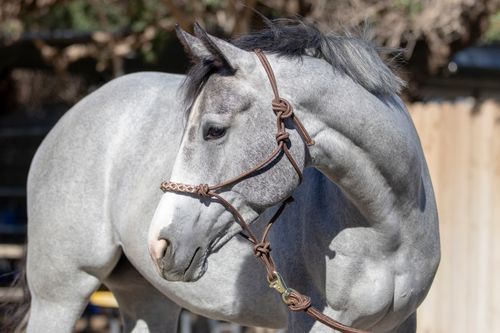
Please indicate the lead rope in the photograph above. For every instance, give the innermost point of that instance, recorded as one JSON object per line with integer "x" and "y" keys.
{"x": 262, "y": 248}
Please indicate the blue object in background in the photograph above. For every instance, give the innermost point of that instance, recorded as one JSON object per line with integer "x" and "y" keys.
{"x": 479, "y": 57}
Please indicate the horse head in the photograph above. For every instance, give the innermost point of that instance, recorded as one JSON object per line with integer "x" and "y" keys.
{"x": 230, "y": 129}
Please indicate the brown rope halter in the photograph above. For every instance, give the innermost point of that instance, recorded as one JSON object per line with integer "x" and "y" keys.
{"x": 262, "y": 248}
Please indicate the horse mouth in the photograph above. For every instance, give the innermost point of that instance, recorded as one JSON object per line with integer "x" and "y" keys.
{"x": 194, "y": 270}
{"x": 190, "y": 267}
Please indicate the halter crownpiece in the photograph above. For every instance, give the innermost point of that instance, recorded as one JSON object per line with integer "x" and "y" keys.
{"x": 262, "y": 248}
{"x": 281, "y": 106}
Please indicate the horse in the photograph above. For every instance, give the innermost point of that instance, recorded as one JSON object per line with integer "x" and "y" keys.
{"x": 361, "y": 237}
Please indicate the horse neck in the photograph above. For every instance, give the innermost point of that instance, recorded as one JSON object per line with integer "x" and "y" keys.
{"x": 365, "y": 144}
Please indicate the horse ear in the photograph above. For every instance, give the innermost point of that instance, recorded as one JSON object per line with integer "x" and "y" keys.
{"x": 219, "y": 49}
{"x": 192, "y": 45}
{"x": 203, "y": 46}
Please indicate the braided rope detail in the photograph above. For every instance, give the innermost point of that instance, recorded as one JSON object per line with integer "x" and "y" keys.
{"x": 201, "y": 190}
{"x": 297, "y": 301}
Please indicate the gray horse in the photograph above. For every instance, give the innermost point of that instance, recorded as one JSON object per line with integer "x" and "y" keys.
{"x": 361, "y": 237}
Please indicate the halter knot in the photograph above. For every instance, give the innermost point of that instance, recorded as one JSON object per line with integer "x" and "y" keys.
{"x": 203, "y": 190}
{"x": 282, "y": 108}
{"x": 262, "y": 249}
{"x": 297, "y": 302}
{"x": 282, "y": 136}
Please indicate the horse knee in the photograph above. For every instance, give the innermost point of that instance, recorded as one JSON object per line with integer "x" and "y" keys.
{"x": 56, "y": 305}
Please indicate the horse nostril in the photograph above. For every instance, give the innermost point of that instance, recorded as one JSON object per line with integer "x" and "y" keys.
{"x": 159, "y": 248}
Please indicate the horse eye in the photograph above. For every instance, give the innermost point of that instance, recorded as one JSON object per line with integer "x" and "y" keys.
{"x": 215, "y": 133}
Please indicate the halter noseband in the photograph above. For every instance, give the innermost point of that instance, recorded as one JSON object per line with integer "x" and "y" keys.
{"x": 262, "y": 249}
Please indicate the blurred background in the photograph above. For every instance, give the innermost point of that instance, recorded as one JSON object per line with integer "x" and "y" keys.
{"x": 54, "y": 52}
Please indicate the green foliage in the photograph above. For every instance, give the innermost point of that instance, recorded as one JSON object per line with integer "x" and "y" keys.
{"x": 85, "y": 15}
{"x": 77, "y": 15}
{"x": 215, "y": 3}
{"x": 140, "y": 14}
{"x": 410, "y": 7}
{"x": 94, "y": 15}
{"x": 11, "y": 29}
{"x": 144, "y": 22}
{"x": 493, "y": 33}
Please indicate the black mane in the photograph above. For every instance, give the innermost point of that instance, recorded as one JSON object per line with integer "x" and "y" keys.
{"x": 355, "y": 57}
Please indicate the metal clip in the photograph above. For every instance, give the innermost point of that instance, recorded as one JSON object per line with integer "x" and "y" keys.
{"x": 279, "y": 285}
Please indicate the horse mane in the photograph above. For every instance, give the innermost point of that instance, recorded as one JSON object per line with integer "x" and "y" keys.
{"x": 353, "y": 56}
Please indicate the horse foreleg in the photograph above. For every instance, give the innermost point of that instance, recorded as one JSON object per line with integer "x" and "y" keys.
{"x": 142, "y": 307}
{"x": 62, "y": 273}
{"x": 56, "y": 305}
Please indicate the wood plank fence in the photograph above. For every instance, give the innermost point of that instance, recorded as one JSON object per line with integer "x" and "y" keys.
{"x": 462, "y": 145}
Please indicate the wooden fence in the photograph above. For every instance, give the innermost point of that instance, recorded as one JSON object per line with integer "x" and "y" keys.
{"x": 462, "y": 145}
